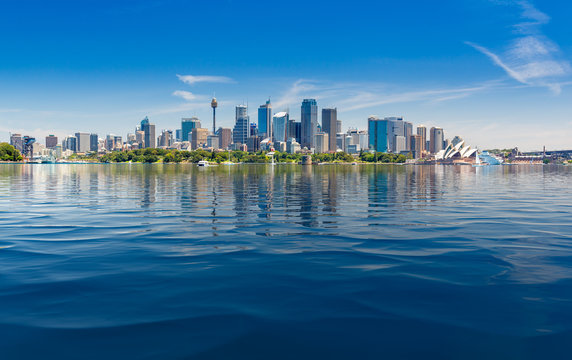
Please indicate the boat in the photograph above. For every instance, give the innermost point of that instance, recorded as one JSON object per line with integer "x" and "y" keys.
{"x": 203, "y": 163}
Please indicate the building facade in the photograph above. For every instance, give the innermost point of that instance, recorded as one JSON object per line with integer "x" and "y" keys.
{"x": 93, "y": 142}
{"x": 199, "y": 138}
{"x": 436, "y": 140}
{"x": 51, "y": 141}
{"x": 150, "y": 140}
{"x": 330, "y": 127}
{"x": 240, "y": 132}
{"x": 225, "y": 137}
{"x": 422, "y": 131}
{"x": 309, "y": 120}
{"x": 83, "y": 142}
{"x": 321, "y": 142}
{"x": 280, "y": 125}
{"x": 265, "y": 120}
{"x": 187, "y": 125}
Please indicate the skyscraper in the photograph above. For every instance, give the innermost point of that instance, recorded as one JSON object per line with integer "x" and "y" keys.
{"x": 51, "y": 141}
{"x": 309, "y": 118}
{"x": 17, "y": 142}
{"x": 199, "y": 137}
{"x": 225, "y": 137}
{"x": 321, "y": 142}
{"x": 436, "y": 139}
{"x": 422, "y": 131}
{"x": 330, "y": 127}
{"x": 93, "y": 142}
{"x": 407, "y": 132}
{"x": 83, "y": 142}
{"x": 140, "y": 138}
{"x": 280, "y": 125}
{"x": 386, "y": 135}
{"x": 417, "y": 145}
{"x": 187, "y": 125}
{"x": 265, "y": 120}
{"x": 149, "y": 129}
{"x": 240, "y": 132}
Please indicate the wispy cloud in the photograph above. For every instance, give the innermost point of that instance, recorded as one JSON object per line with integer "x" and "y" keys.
{"x": 531, "y": 58}
{"x": 354, "y": 96}
{"x": 193, "y": 79}
{"x": 187, "y": 95}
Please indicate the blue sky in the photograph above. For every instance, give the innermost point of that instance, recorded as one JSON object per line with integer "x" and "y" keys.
{"x": 497, "y": 73}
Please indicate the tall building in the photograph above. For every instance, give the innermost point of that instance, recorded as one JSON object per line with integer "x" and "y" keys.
{"x": 225, "y": 137}
{"x": 83, "y": 142}
{"x": 150, "y": 141}
{"x": 51, "y": 141}
{"x": 178, "y": 136}
{"x": 387, "y": 135}
{"x": 339, "y": 127}
{"x": 187, "y": 125}
{"x": 295, "y": 130}
{"x": 165, "y": 140}
{"x": 93, "y": 142}
{"x": 309, "y": 119}
{"x": 407, "y": 132}
{"x": 140, "y": 138}
{"x": 417, "y": 146}
{"x": 437, "y": 137}
{"x": 70, "y": 143}
{"x": 240, "y": 132}
{"x": 253, "y": 130}
{"x": 280, "y": 126}
{"x": 212, "y": 142}
{"x": 422, "y": 131}
{"x": 265, "y": 120}
{"x": 253, "y": 143}
{"x": 330, "y": 127}
{"x": 199, "y": 138}
{"x": 17, "y": 142}
{"x": 321, "y": 142}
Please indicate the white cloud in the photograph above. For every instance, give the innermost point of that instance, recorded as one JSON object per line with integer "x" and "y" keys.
{"x": 531, "y": 59}
{"x": 356, "y": 96}
{"x": 187, "y": 95}
{"x": 193, "y": 79}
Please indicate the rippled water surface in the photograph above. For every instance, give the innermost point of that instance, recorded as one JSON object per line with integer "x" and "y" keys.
{"x": 285, "y": 262}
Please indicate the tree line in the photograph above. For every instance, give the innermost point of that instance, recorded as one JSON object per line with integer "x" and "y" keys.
{"x": 183, "y": 156}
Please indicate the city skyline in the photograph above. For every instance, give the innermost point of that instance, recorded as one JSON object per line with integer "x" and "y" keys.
{"x": 497, "y": 86}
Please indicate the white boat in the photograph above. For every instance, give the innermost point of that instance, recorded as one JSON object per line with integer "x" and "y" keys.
{"x": 203, "y": 163}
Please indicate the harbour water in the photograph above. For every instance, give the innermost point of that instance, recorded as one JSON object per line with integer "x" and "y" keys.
{"x": 132, "y": 261}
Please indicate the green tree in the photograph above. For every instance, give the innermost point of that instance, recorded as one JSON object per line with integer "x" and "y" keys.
{"x": 9, "y": 153}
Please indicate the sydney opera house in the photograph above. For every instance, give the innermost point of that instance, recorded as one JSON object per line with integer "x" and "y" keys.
{"x": 457, "y": 152}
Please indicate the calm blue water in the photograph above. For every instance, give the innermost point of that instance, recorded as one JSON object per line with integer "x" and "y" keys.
{"x": 285, "y": 262}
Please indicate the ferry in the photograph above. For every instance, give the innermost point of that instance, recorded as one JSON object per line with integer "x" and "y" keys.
{"x": 203, "y": 163}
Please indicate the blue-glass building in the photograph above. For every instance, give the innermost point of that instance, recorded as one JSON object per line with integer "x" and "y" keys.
{"x": 265, "y": 120}
{"x": 240, "y": 131}
{"x": 187, "y": 125}
{"x": 389, "y": 134}
{"x": 309, "y": 121}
